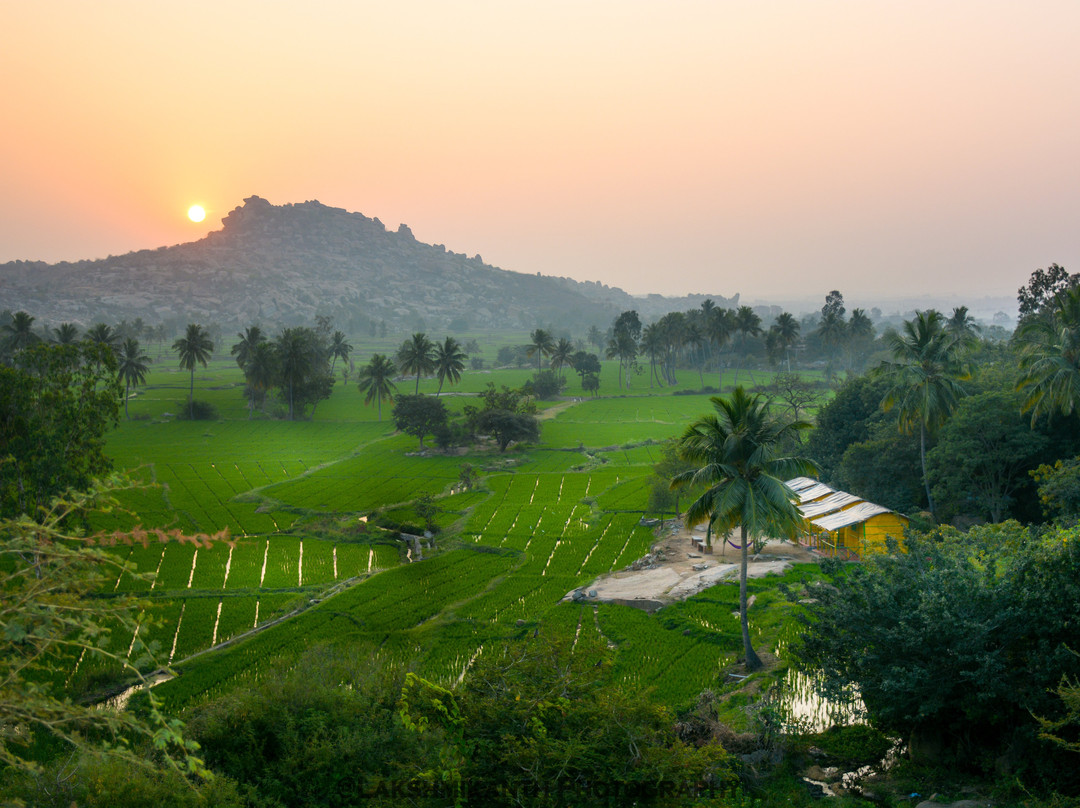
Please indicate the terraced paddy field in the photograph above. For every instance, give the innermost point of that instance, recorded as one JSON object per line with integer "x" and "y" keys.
{"x": 278, "y": 510}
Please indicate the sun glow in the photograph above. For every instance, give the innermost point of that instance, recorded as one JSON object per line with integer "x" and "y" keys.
{"x": 196, "y": 213}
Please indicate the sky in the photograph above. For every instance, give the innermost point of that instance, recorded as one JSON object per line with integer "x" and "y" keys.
{"x": 771, "y": 148}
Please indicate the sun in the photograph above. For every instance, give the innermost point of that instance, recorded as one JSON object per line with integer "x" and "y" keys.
{"x": 196, "y": 213}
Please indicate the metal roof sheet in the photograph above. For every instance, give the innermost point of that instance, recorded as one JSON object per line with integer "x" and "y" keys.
{"x": 814, "y": 492}
{"x": 833, "y": 502}
{"x": 852, "y": 516}
{"x": 800, "y": 483}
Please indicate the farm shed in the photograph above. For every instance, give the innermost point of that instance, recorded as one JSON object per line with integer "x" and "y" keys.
{"x": 839, "y": 523}
{"x": 860, "y": 529}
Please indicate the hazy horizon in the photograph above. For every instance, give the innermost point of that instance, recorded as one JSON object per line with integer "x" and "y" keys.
{"x": 777, "y": 150}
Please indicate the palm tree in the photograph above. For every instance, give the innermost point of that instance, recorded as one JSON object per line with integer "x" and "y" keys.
{"x": 104, "y": 334}
{"x": 131, "y": 368}
{"x": 195, "y": 347}
{"x": 860, "y": 333}
{"x": 652, "y": 343}
{"x": 249, "y": 338}
{"x": 694, "y": 339}
{"x": 1050, "y": 356}
{"x": 66, "y": 334}
{"x": 832, "y": 330}
{"x": 449, "y": 362}
{"x": 747, "y": 324}
{"x": 719, "y": 327}
{"x": 924, "y": 377}
{"x": 340, "y": 348}
{"x": 19, "y": 333}
{"x": 298, "y": 355}
{"x": 962, "y": 327}
{"x": 541, "y": 343}
{"x": 416, "y": 355}
{"x": 561, "y": 353}
{"x": 735, "y": 454}
{"x": 375, "y": 380}
{"x": 260, "y": 371}
{"x": 787, "y": 334}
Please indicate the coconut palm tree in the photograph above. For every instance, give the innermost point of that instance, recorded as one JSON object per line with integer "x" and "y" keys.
{"x": 19, "y": 333}
{"x": 249, "y": 338}
{"x": 194, "y": 348}
{"x": 561, "y": 353}
{"x": 299, "y": 355}
{"x": 340, "y": 348}
{"x": 963, "y": 328}
{"x": 693, "y": 339}
{"x": 735, "y": 454}
{"x": 787, "y": 334}
{"x": 924, "y": 377}
{"x": 375, "y": 381}
{"x": 1050, "y": 356}
{"x": 131, "y": 368}
{"x": 746, "y": 324}
{"x": 105, "y": 335}
{"x": 860, "y": 333}
{"x": 449, "y": 362}
{"x": 541, "y": 343}
{"x": 652, "y": 343}
{"x": 66, "y": 334}
{"x": 416, "y": 355}
{"x": 260, "y": 372}
{"x": 719, "y": 326}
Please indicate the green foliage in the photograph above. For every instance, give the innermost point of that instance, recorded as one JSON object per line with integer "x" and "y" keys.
{"x": 1059, "y": 489}
{"x": 51, "y": 622}
{"x": 884, "y": 469}
{"x": 982, "y": 457}
{"x": 956, "y": 644}
{"x": 855, "y": 744}
{"x": 848, "y": 418}
{"x": 545, "y": 385}
{"x": 56, "y": 403}
{"x": 419, "y": 415}
{"x": 199, "y": 411}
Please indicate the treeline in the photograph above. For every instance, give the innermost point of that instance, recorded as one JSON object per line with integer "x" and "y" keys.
{"x": 964, "y": 428}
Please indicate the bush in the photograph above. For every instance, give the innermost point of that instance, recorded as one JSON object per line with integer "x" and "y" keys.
{"x": 198, "y": 411}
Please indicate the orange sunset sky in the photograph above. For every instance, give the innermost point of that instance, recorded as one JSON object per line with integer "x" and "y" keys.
{"x": 772, "y": 148}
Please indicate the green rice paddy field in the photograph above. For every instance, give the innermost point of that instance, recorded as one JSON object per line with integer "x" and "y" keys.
{"x": 276, "y": 511}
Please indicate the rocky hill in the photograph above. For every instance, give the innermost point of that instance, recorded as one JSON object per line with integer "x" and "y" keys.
{"x": 283, "y": 264}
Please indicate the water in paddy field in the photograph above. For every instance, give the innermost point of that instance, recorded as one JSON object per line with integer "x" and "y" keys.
{"x": 802, "y": 708}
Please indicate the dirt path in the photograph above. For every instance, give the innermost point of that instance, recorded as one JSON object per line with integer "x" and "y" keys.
{"x": 676, "y": 569}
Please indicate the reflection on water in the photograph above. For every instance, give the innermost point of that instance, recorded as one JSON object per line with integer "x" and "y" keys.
{"x": 802, "y": 708}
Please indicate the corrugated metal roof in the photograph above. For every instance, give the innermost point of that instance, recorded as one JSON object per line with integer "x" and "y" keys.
{"x": 833, "y": 502}
{"x": 814, "y": 492}
{"x": 852, "y": 516}
{"x": 800, "y": 483}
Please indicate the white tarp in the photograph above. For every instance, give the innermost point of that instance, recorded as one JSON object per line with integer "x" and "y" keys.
{"x": 852, "y": 516}
{"x": 833, "y": 502}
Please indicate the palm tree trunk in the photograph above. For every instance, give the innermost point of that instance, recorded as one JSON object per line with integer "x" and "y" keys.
{"x": 753, "y": 662}
{"x": 127, "y": 389}
{"x": 418, "y": 381}
{"x": 191, "y": 396}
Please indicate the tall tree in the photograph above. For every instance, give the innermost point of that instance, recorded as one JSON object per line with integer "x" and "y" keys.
{"x": 924, "y": 377}
{"x": 249, "y": 338}
{"x": 652, "y": 343}
{"x": 19, "y": 333}
{"x": 66, "y": 334}
{"x": 104, "y": 335}
{"x": 260, "y": 372}
{"x": 541, "y": 343}
{"x": 375, "y": 381}
{"x": 1042, "y": 287}
{"x": 449, "y": 362}
{"x": 194, "y": 348}
{"x": 860, "y": 334}
{"x": 561, "y": 353}
{"x": 963, "y": 328}
{"x": 56, "y": 403}
{"x": 832, "y": 328}
{"x": 303, "y": 364}
{"x": 340, "y": 348}
{"x": 1050, "y": 356}
{"x": 416, "y": 355}
{"x": 719, "y": 326}
{"x": 747, "y": 324}
{"x": 735, "y": 454}
{"x": 132, "y": 368}
{"x": 787, "y": 334}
